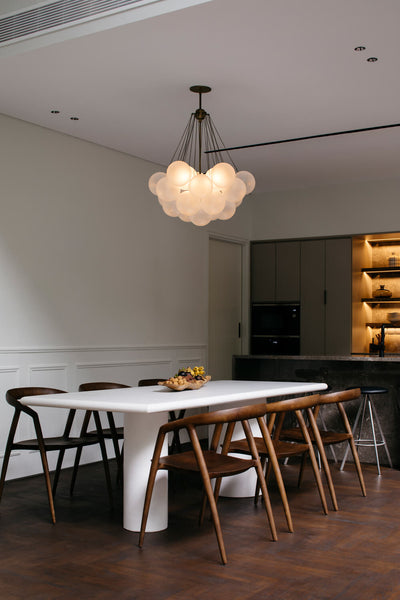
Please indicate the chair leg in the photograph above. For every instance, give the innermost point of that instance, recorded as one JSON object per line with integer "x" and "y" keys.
{"x": 209, "y": 493}
{"x": 83, "y": 432}
{"x": 358, "y": 466}
{"x": 260, "y": 473}
{"x": 214, "y": 512}
{"x": 361, "y": 408}
{"x": 7, "y": 452}
{"x": 353, "y": 447}
{"x": 115, "y": 442}
{"x": 104, "y": 455}
{"x": 263, "y": 460}
{"x": 273, "y": 461}
{"x": 313, "y": 460}
{"x": 321, "y": 451}
{"x": 75, "y": 470}
{"x": 150, "y": 486}
{"x": 48, "y": 483}
{"x": 58, "y": 470}
{"x": 120, "y": 466}
{"x": 176, "y": 442}
{"x": 301, "y": 470}
{"x": 45, "y": 465}
{"x": 324, "y": 427}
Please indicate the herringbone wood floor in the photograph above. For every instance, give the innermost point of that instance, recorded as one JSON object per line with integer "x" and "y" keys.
{"x": 349, "y": 555}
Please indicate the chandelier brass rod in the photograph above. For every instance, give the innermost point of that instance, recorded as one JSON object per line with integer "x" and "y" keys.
{"x": 306, "y": 137}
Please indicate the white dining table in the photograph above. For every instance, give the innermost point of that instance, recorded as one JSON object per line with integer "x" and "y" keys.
{"x": 145, "y": 409}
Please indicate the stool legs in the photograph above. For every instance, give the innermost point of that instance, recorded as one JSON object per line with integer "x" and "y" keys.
{"x": 367, "y": 404}
{"x": 381, "y": 434}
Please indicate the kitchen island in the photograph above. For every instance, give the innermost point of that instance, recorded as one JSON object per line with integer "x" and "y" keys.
{"x": 339, "y": 372}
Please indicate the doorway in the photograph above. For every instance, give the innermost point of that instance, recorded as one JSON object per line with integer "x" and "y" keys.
{"x": 224, "y": 306}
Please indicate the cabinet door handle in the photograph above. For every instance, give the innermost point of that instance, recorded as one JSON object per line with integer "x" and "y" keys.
{"x": 239, "y": 330}
{"x": 325, "y": 296}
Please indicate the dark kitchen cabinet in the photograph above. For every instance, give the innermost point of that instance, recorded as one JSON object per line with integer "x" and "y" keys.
{"x": 325, "y": 297}
{"x": 275, "y": 271}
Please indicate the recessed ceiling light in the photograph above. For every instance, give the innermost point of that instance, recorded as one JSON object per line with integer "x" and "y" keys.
{"x": 372, "y": 59}
{"x": 359, "y": 48}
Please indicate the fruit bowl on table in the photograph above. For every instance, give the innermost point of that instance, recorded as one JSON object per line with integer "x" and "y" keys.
{"x": 193, "y": 384}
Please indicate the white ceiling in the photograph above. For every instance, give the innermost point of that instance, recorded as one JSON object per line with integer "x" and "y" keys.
{"x": 278, "y": 69}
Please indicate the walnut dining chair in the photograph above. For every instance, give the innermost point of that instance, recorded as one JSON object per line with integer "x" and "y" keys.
{"x": 330, "y": 437}
{"x": 276, "y": 412}
{"x": 210, "y": 464}
{"x": 111, "y": 432}
{"x": 47, "y": 444}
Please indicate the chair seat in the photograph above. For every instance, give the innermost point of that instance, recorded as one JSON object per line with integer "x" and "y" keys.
{"x": 218, "y": 465}
{"x": 282, "y": 448}
{"x": 327, "y": 437}
{"x": 57, "y": 443}
{"x": 108, "y": 433}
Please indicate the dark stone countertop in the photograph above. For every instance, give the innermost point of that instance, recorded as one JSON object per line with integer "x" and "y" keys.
{"x": 350, "y": 357}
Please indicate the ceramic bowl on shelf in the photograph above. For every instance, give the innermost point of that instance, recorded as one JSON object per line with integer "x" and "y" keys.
{"x": 393, "y": 317}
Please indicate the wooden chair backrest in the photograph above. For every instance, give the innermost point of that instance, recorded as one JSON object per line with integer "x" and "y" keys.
{"x": 101, "y": 385}
{"x": 292, "y": 404}
{"x": 146, "y": 382}
{"x": 229, "y": 415}
{"x": 344, "y": 396}
{"x": 14, "y": 395}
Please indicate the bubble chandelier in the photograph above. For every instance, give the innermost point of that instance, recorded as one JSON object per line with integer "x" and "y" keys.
{"x": 197, "y": 188}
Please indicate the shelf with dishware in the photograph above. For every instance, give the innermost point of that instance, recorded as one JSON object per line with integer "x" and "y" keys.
{"x": 376, "y": 287}
{"x": 384, "y": 324}
{"x": 381, "y": 271}
{"x": 377, "y": 300}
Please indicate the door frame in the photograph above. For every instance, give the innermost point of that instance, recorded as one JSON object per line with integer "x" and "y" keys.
{"x": 245, "y": 287}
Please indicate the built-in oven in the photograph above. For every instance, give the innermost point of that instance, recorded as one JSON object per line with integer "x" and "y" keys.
{"x": 275, "y": 329}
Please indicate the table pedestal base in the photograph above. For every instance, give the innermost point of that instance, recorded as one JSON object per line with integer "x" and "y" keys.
{"x": 140, "y": 433}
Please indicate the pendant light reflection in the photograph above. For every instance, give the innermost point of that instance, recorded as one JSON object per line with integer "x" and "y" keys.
{"x": 188, "y": 193}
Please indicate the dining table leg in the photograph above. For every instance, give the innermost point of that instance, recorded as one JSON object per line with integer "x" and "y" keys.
{"x": 140, "y": 433}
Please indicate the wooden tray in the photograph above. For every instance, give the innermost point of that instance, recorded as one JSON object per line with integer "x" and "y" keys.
{"x": 190, "y": 385}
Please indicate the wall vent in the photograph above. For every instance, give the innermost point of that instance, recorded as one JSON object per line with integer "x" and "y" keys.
{"x": 57, "y": 14}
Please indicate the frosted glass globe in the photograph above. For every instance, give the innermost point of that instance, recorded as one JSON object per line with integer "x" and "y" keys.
{"x": 184, "y": 218}
{"x": 248, "y": 179}
{"x": 179, "y": 173}
{"x": 222, "y": 175}
{"x": 165, "y": 191}
{"x": 170, "y": 209}
{"x": 154, "y": 179}
{"x": 213, "y": 203}
{"x": 201, "y": 218}
{"x": 187, "y": 204}
{"x": 200, "y": 185}
{"x": 228, "y": 211}
{"x": 236, "y": 192}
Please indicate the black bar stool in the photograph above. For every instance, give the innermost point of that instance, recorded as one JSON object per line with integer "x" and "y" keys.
{"x": 367, "y": 405}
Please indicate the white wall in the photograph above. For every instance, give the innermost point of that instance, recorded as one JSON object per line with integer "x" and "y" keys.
{"x": 97, "y": 283}
{"x": 364, "y": 207}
